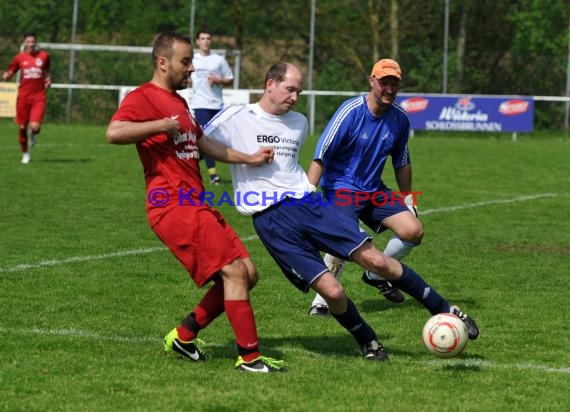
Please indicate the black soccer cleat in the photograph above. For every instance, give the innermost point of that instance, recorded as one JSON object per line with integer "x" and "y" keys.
{"x": 188, "y": 350}
{"x": 472, "y": 328}
{"x": 215, "y": 180}
{"x": 384, "y": 287}
{"x": 374, "y": 350}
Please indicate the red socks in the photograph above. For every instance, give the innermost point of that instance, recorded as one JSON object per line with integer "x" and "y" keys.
{"x": 23, "y": 140}
{"x": 210, "y": 307}
{"x": 240, "y": 315}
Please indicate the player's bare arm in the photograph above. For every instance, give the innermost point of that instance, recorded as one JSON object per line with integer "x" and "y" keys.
{"x": 218, "y": 151}
{"x": 125, "y": 132}
{"x": 7, "y": 75}
{"x": 219, "y": 81}
{"x": 316, "y": 170}
{"x": 404, "y": 178}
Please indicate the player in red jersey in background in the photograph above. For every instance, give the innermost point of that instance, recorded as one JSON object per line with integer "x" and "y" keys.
{"x": 34, "y": 66}
{"x": 168, "y": 141}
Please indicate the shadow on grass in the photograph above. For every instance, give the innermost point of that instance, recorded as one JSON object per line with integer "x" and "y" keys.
{"x": 324, "y": 345}
{"x": 380, "y": 304}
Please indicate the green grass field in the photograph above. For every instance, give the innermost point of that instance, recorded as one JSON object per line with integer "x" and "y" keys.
{"x": 88, "y": 291}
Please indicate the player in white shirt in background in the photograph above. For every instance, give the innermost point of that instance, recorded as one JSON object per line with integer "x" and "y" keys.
{"x": 212, "y": 73}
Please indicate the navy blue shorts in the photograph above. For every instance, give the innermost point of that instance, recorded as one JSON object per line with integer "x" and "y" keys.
{"x": 371, "y": 208}
{"x": 295, "y": 231}
{"x": 203, "y": 116}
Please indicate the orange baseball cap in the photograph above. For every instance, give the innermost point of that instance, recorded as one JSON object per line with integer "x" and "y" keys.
{"x": 386, "y": 67}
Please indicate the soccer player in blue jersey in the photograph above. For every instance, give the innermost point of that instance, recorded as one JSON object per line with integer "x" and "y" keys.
{"x": 348, "y": 163}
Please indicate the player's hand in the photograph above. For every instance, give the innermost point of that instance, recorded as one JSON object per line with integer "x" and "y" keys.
{"x": 171, "y": 126}
{"x": 213, "y": 80}
{"x": 409, "y": 201}
{"x": 263, "y": 155}
{"x": 47, "y": 82}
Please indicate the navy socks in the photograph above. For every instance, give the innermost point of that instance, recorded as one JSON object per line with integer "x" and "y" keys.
{"x": 416, "y": 287}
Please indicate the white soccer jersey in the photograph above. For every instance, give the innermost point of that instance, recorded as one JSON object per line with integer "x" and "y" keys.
{"x": 205, "y": 95}
{"x": 247, "y": 128}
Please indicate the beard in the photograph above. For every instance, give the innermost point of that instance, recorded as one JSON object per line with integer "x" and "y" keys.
{"x": 178, "y": 83}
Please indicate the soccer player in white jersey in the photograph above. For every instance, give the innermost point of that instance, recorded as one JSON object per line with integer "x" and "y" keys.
{"x": 211, "y": 73}
{"x": 292, "y": 220}
{"x": 349, "y": 160}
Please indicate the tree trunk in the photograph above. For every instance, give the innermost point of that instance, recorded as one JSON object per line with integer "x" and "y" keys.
{"x": 394, "y": 30}
{"x": 239, "y": 20}
{"x": 461, "y": 44}
{"x": 374, "y": 20}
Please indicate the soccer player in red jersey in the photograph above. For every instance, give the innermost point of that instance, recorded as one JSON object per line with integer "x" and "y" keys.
{"x": 169, "y": 143}
{"x": 34, "y": 66}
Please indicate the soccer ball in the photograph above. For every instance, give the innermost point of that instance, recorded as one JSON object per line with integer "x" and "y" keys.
{"x": 445, "y": 335}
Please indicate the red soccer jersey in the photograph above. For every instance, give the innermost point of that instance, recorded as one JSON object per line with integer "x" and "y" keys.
{"x": 170, "y": 166}
{"x": 34, "y": 69}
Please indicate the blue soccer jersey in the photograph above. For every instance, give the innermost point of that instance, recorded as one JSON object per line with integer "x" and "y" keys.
{"x": 355, "y": 145}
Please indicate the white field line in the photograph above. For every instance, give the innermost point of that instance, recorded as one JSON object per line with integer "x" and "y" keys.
{"x": 77, "y": 333}
{"x": 523, "y": 198}
{"x": 87, "y": 258}
{"x": 143, "y": 251}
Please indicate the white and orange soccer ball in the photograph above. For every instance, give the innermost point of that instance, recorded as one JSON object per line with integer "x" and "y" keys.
{"x": 445, "y": 335}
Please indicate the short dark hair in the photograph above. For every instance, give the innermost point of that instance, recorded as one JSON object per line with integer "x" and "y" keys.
{"x": 30, "y": 34}
{"x": 276, "y": 73}
{"x": 204, "y": 31}
{"x": 163, "y": 43}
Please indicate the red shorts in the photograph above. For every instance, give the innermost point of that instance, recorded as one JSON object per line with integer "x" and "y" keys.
{"x": 30, "y": 108}
{"x": 200, "y": 239}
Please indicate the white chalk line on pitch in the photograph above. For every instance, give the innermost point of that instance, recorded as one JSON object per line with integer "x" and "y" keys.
{"x": 144, "y": 251}
{"x": 78, "y": 333}
{"x": 87, "y": 258}
{"x": 522, "y": 198}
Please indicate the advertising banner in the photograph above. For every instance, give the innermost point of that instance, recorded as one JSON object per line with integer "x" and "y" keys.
{"x": 467, "y": 113}
{"x": 8, "y": 94}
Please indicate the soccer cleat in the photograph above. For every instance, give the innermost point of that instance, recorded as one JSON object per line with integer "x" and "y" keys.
{"x": 390, "y": 292}
{"x": 189, "y": 350}
{"x": 374, "y": 350}
{"x": 319, "y": 310}
{"x": 26, "y": 158}
{"x": 215, "y": 180}
{"x": 472, "y": 328}
{"x": 261, "y": 364}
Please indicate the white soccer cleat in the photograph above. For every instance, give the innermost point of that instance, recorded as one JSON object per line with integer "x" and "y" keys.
{"x": 26, "y": 158}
